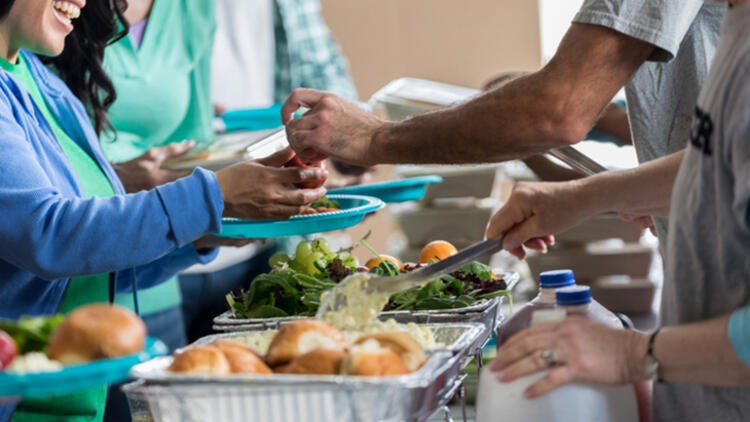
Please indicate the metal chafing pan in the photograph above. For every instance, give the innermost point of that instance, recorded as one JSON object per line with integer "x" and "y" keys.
{"x": 485, "y": 311}
{"x": 165, "y": 397}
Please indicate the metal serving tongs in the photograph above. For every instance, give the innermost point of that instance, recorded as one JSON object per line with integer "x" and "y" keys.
{"x": 577, "y": 160}
{"x": 334, "y": 298}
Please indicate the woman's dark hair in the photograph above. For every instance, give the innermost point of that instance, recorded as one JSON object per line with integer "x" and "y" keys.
{"x": 80, "y": 65}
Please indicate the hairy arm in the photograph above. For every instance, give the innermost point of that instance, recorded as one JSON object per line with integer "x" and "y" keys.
{"x": 554, "y": 106}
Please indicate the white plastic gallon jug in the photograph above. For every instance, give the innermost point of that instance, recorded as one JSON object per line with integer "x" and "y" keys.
{"x": 575, "y": 402}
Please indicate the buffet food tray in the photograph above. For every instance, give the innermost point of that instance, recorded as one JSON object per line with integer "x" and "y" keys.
{"x": 484, "y": 311}
{"x": 457, "y": 338}
{"x": 164, "y": 397}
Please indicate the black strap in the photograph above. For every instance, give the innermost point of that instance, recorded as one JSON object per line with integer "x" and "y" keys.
{"x": 134, "y": 285}
{"x": 112, "y": 286}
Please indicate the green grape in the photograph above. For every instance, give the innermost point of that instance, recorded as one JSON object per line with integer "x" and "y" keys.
{"x": 303, "y": 252}
{"x": 321, "y": 245}
{"x": 307, "y": 266}
{"x": 278, "y": 259}
{"x": 349, "y": 261}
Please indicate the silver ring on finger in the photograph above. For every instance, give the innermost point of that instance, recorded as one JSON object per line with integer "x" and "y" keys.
{"x": 548, "y": 355}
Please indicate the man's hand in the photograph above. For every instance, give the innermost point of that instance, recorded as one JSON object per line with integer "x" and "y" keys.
{"x": 333, "y": 127}
{"x": 261, "y": 189}
{"x": 145, "y": 172}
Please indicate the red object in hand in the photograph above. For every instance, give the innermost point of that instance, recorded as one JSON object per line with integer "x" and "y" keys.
{"x": 8, "y": 349}
{"x": 312, "y": 184}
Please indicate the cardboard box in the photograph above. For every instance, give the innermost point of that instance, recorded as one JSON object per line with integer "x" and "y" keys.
{"x": 631, "y": 259}
{"x": 624, "y": 294}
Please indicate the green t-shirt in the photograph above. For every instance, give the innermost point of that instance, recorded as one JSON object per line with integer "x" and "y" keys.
{"x": 87, "y": 405}
{"x": 163, "y": 96}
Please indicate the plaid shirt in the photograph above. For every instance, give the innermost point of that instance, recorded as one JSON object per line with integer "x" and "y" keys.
{"x": 306, "y": 54}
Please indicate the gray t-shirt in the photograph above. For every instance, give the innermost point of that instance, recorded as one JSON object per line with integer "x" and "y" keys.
{"x": 661, "y": 96}
{"x": 708, "y": 266}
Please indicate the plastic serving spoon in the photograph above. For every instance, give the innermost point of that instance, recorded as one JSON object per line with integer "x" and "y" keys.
{"x": 335, "y": 299}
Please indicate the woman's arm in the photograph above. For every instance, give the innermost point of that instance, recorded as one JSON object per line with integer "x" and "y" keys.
{"x": 702, "y": 353}
{"x": 539, "y": 209}
{"x": 54, "y": 234}
{"x": 699, "y": 353}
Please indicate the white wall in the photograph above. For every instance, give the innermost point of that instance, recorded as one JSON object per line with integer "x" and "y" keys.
{"x": 554, "y": 19}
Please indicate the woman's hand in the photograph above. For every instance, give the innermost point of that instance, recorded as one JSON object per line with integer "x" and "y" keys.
{"x": 576, "y": 349}
{"x": 534, "y": 212}
{"x": 145, "y": 172}
{"x": 261, "y": 189}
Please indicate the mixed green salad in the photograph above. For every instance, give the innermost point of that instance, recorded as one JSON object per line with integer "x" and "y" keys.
{"x": 295, "y": 283}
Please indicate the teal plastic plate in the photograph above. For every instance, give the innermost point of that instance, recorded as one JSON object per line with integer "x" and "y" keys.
{"x": 402, "y": 190}
{"x": 77, "y": 378}
{"x": 253, "y": 118}
{"x": 354, "y": 208}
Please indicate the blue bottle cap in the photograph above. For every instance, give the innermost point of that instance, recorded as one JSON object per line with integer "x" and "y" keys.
{"x": 573, "y": 296}
{"x": 556, "y": 278}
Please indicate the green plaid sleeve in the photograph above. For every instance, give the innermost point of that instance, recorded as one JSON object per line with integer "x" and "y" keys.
{"x": 306, "y": 54}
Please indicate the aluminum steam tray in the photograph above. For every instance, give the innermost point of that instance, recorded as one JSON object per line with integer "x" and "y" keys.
{"x": 167, "y": 397}
{"x": 485, "y": 311}
{"x": 288, "y": 398}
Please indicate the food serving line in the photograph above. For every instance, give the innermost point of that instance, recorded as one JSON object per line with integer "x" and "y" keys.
{"x": 460, "y": 333}
{"x": 413, "y": 397}
{"x": 161, "y": 395}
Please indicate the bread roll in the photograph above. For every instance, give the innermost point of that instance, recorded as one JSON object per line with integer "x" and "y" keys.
{"x": 200, "y": 360}
{"x": 96, "y": 332}
{"x": 317, "y": 362}
{"x": 241, "y": 358}
{"x": 299, "y": 337}
{"x": 371, "y": 359}
{"x": 403, "y": 344}
{"x": 281, "y": 369}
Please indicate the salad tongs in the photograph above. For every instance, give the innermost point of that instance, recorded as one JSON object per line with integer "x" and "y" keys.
{"x": 335, "y": 299}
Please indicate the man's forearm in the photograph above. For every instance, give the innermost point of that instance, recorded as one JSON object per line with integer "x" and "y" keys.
{"x": 552, "y": 107}
{"x": 644, "y": 190}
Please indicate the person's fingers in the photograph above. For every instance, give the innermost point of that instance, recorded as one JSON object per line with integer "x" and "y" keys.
{"x": 282, "y": 210}
{"x": 300, "y": 97}
{"x": 527, "y": 365}
{"x": 511, "y": 214}
{"x": 522, "y": 345}
{"x": 299, "y": 197}
{"x": 277, "y": 159}
{"x": 153, "y": 154}
{"x": 522, "y": 233}
{"x": 305, "y": 122}
{"x": 518, "y": 252}
{"x": 555, "y": 378}
{"x": 298, "y": 175}
{"x": 301, "y": 141}
{"x": 177, "y": 149}
{"x": 237, "y": 243}
{"x": 537, "y": 244}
